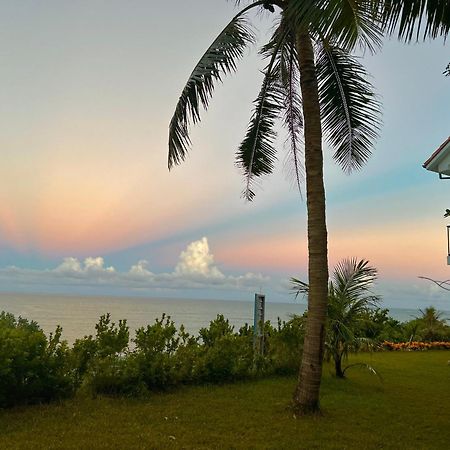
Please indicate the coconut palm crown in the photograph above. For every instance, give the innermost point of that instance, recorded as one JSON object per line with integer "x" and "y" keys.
{"x": 349, "y": 107}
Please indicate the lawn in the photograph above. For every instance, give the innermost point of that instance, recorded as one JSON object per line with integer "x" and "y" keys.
{"x": 409, "y": 409}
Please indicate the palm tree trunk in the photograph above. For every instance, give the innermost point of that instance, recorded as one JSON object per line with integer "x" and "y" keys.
{"x": 338, "y": 366}
{"x": 306, "y": 395}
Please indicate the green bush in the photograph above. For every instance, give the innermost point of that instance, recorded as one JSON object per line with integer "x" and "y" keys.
{"x": 115, "y": 375}
{"x": 103, "y": 363}
{"x": 284, "y": 345}
{"x": 156, "y": 351}
{"x": 225, "y": 355}
{"x": 33, "y": 368}
{"x": 378, "y": 326}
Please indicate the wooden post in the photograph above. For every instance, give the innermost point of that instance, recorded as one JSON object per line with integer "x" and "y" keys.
{"x": 258, "y": 324}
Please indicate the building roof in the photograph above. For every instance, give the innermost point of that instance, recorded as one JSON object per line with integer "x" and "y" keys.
{"x": 440, "y": 154}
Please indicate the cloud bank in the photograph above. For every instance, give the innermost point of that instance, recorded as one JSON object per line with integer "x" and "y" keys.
{"x": 195, "y": 269}
{"x": 195, "y": 273}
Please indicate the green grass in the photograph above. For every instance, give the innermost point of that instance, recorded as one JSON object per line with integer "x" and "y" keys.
{"x": 409, "y": 410}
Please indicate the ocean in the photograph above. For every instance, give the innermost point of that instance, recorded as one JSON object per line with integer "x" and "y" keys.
{"x": 78, "y": 315}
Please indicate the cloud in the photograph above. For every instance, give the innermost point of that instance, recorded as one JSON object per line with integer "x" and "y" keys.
{"x": 72, "y": 265}
{"x": 198, "y": 260}
{"x": 195, "y": 270}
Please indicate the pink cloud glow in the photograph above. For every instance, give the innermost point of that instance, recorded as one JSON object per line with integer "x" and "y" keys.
{"x": 400, "y": 250}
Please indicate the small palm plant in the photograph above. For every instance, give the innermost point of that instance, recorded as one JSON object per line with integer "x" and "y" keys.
{"x": 432, "y": 324}
{"x": 349, "y": 299}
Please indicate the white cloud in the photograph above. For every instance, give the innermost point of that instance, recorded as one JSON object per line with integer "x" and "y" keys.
{"x": 97, "y": 265}
{"x": 72, "y": 265}
{"x": 140, "y": 269}
{"x": 69, "y": 265}
{"x": 198, "y": 260}
{"x": 195, "y": 269}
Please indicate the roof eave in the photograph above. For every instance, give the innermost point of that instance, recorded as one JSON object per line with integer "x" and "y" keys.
{"x": 432, "y": 162}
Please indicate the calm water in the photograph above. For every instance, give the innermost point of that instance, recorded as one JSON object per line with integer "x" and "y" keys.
{"x": 78, "y": 315}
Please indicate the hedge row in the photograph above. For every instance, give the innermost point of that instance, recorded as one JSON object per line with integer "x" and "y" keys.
{"x": 34, "y": 368}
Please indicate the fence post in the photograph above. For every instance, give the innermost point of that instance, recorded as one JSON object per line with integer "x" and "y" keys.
{"x": 258, "y": 324}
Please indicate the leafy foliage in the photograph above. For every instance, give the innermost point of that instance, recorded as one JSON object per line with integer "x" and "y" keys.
{"x": 432, "y": 326}
{"x": 33, "y": 369}
{"x": 285, "y": 343}
{"x": 256, "y": 154}
{"x": 348, "y": 22}
{"x": 411, "y": 19}
{"x": 349, "y": 300}
{"x": 349, "y": 108}
{"x": 219, "y": 59}
{"x": 162, "y": 356}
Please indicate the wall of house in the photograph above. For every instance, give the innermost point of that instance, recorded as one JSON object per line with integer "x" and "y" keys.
{"x": 444, "y": 165}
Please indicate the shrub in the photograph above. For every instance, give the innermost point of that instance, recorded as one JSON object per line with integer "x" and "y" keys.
{"x": 33, "y": 368}
{"x": 103, "y": 362}
{"x": 284, "y": 345}
{"x": 115, "y": 375}
{"x": 156, "y": 352}
{"x": 378, "y": 326}
{"x": 224, "y": 355}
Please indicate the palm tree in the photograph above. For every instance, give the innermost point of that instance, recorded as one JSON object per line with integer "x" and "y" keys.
{"x": 349, "y": 300}
{"x": 315, "y": 85}
{"x": 332, "y": 91}
{"x": 432, "y": 324}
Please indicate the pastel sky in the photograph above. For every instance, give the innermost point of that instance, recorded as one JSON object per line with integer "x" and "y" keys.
{"x": 87, "y": 204}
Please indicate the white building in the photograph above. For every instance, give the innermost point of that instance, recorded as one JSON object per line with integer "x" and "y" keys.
{"x": 439, "y": 162}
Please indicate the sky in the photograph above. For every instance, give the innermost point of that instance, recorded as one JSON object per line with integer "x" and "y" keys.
{"x": 87, "y": 205}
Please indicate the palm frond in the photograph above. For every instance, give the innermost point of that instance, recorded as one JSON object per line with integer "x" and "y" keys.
{"x": 267, "y": 4}
{"x": 345, "y": 22}
{"x": 292, "y": 107}
{"x": 299, "y": 287}
{"x": 219, "y": 60}
{"x": 366, "y": 366}
{"x": 287, "y": 67}
{"x": 353, "y": 279}
{"x": 442, "y": 284}
{"x": 351, "y": 22}
{"x": 256, "y": 154}
{"x": 350, "y": 109}
{"x": 411, "y": 19}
